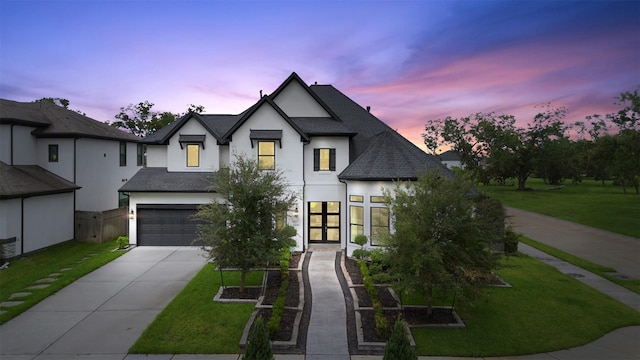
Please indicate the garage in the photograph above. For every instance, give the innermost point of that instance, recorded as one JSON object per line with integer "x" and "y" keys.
{"x": 167, "y": 225}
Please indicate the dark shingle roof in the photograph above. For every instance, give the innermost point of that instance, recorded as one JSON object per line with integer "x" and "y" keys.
{"x": 21, "y": 181}
{"x": 322, "y": 126}
{"x": 158, "y": 179}
{"x": 389, "y": 156}
{"x": 217, "y": 125}
{"x": 449, "y": 155}
{"x": 56, "y": 121}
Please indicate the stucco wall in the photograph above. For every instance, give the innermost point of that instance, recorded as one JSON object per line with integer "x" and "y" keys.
{"x": 48, "y": 220}
{"x": 295, "y": 101}
{"x": 177, "y": 156}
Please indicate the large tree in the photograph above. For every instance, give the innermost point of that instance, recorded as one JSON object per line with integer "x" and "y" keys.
{"x": 141, "y": 120}
{"x": 443, "y": 236}
{"x": 242, "y": 229}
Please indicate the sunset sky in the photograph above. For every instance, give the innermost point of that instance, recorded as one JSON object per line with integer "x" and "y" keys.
{"x": 409, "y": 60}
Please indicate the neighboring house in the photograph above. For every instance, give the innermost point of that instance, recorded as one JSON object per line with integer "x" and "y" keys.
{"x": 451, "y": 159}
{"x": 56, "y": 166}
{"x": 336, "y": 156}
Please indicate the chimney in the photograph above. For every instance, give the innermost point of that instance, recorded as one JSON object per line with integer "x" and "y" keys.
{"x": 260, "y": 94}
{"x": 368, "y": 109}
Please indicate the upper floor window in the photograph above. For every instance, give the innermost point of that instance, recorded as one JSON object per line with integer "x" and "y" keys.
{"x": 324, "y": 159}
{"x": 266, "y": 155}
{"x": 53, "y": 152}
{"x": 140, "y": 155}
{"x": 123, "y": 153}
{"x": 193, "y": 155}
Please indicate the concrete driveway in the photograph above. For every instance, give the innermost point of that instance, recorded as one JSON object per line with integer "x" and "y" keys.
{"x": 598, "y": 246}
{"x": 104, "y": 312}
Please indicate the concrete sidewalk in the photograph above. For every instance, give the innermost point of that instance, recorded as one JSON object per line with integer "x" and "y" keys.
{"x": 598, "y": 246}
{"x": 103, "y": 313}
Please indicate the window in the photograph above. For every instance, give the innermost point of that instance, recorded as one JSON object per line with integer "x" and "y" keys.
{"x": 356, "y": 198}
{"x": 123, "y": 200}
{"x": 140, "y": 155}
{"x": 324, "y": 159}
{"x": 377, "y": 199}
{"x": 193, "y": 155}
{"x": 379, "y": 224}
{"x": 123, "y": 153}
{"x": 53, "y": 153}
{"x": 266, "y": 155}
{"x": 356, "y": 221}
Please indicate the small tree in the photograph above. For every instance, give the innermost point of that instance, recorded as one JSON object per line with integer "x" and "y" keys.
{"x": 398, "y": 347}
{"x": 443, "y": 237}
{"x": 258, "y": 346}
{"x": 141, "y": 120}
{"x": 241, "y": 230}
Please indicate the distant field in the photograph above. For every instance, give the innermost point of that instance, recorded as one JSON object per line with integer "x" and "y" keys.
{"x": 588, "y": 203}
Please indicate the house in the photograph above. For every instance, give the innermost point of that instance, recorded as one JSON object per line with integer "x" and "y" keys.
{"x": 451, "y": 159}
{"x": 335, "y": 155}
{"x": 59, "y": 170}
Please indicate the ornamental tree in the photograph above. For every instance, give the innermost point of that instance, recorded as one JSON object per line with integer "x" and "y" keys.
{"x": 241, "y": 229}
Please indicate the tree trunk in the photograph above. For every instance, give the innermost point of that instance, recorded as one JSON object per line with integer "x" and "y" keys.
{"x": 243, "y": 276}
{"x": 430, "y": 301}
{"x": 521, "y": 184}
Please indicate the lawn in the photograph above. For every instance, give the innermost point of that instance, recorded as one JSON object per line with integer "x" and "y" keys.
{"x": 545, "y": 310}
{"x": 193, "y": 324}
{"x": 25, "y": 271}
{"x": 588, "y": 203}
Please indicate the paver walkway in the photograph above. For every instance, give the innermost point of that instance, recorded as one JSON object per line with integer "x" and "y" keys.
{"x": 598, "y": 246}
{"x": 327, "y": 334}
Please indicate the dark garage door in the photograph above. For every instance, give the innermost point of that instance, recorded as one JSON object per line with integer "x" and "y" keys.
{"x": 166, "y": 225}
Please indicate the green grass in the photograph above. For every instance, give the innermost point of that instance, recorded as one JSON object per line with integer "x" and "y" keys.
{"x": 193, "y": 324}
{"x": 24, "y": 271}
{"x": 545, "y": 310}
{"x": 603, "y": 271}
{"x": 588, "y": 203}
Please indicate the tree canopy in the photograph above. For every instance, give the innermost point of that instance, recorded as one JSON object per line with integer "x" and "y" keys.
{"x": 141, "y": 120}
{"x": 243, "y": 229}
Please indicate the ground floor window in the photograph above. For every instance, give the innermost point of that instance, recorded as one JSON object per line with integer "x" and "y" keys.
{"x": 379, "y": 223}
{"x": 356, "y": 221}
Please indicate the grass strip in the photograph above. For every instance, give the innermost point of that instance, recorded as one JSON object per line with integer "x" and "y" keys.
{"x": 24, "y": 271}
{"x": 603, "y": 271}
{"x": 194, "y": 324}
{"x": 545, "y": 310}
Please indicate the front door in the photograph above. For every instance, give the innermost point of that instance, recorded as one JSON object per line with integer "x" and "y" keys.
{"x": 324, "y": 221}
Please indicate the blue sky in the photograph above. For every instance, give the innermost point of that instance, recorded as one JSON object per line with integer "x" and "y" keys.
{"x": 409, "y": 60}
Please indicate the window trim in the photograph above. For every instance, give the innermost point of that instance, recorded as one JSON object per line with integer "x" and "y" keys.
{"x": 187, "y": 146}
{"x": 54, "y": 152}
{"x": 317, "y": 155}
{"x": 273, "y": 143}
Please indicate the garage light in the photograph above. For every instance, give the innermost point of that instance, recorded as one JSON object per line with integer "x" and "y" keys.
{"x": 132, "y": 214}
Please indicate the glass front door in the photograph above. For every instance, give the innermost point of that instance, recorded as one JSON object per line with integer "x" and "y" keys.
{"x": 324, "y": 221}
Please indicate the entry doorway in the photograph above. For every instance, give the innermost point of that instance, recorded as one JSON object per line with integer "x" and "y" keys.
{"x": 324, "y": 221}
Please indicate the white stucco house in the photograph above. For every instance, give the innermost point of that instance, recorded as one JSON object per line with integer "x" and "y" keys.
{"x": 336, "y": 156}
{"x": 54, "y": 164}
{"x": 451, "y": 159}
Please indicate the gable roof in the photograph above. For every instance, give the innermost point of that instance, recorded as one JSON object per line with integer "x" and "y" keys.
{"x": 294, "y": 77}
{"x": 449, "y": 155}
{"x": 20, "y": 181}
{"x": 55, "y": 121}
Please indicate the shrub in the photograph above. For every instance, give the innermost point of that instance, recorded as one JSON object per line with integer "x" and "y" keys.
{"x": 123, "y": 242}
{"x": 510, "y": 242}
{"x": 378, "y": 313}
{"x": 273, "y": 325}
{"x": 361, "y": 240}
{"x": 360, "y": 254}
{"x": 398, "y": 347}
{"x": 258, "y": 345}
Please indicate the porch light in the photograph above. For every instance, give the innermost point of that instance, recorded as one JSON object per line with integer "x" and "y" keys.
{"x": 132, "y": 215}
{"x": 295, "y": 211}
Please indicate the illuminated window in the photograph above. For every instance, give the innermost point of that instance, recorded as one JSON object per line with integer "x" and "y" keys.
{"x": 379, "y": 224}
{"x": 377, "y": 199}
{"x": 193, "y": 155}
{"x": 324, "y": 159}
{"x": 356, "y": 221}
{"x": 266, "y": 155}
{"x": 356, "y": 198}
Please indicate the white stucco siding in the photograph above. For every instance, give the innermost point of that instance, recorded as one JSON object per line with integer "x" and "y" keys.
{"x": 5, "y": 144}
{"x": 99, "y": 173}
{"x": 177, "y": 155}
{"x": 48, "y": 220}
{"x": 64, "y": 166}
{"x": 156, "y": 155}
{"x": 341, "y": 144}
{"x": 366, "y": 189}
{"x": 11, "y": 223}
{"x": 296, "y": 101}
{"x": 136, "y": 199}
{"x": 289, "y": 158}
{"x": 24, "y": 145}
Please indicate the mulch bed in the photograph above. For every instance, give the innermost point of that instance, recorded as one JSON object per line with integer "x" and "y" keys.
{"x": 273, "y": 287}
{"x": 419, "y": 316}
{"x": 286, "y": 325}
{"x": 369, "y": 332}
{"x": 354, "y": 272}
{"x": 294, "y": 262}
{"x": 384, "y": 295}
{"x": 250, "y": 293}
